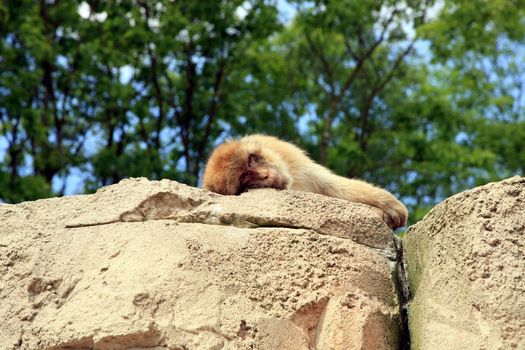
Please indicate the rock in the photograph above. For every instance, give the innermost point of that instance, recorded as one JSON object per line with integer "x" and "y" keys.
{"x": 160, "y": 265}
{"x": 466, "y": 267}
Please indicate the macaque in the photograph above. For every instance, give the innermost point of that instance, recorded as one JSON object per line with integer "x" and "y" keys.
{"x": 259, "y": 161}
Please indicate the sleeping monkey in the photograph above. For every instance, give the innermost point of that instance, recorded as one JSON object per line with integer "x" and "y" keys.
{"x": 259, "y": 161}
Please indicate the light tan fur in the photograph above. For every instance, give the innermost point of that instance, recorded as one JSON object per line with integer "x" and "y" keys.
{"x": 265, "y": 161}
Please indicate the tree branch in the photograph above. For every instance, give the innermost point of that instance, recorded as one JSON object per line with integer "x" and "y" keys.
{"x": 187, "y": 112}
{"x": 319, "y": 53}
{"x": 360, "y": 61}
{"x": 154, "y": 79}
{"x": 212, "y": 111}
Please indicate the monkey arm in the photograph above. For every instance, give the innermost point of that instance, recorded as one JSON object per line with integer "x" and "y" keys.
{"x": 393, "y": 212}
{"x": 313, "y": 177}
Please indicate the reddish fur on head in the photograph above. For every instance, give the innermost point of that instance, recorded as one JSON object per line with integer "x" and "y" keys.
{"x": 226, "y": 164}
{"x": 233, "y": 169}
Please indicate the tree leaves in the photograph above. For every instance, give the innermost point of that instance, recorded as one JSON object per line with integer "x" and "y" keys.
{"x": 422, "y": 97}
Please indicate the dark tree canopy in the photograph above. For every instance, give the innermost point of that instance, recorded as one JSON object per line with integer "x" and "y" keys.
{"x": 425, "y": 98}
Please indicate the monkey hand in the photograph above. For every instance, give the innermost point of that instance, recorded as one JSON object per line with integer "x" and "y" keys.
{"x": 394, "y": 214}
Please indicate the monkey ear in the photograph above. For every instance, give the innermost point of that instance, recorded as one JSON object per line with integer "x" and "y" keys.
{"x": 252, "y": 160}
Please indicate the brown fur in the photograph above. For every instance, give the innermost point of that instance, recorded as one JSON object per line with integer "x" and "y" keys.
{"x": 258, "y": 161}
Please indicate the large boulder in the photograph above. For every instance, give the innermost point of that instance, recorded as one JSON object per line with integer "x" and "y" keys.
{"x": 466, "y": 267}
{"x": 160, "y": 265}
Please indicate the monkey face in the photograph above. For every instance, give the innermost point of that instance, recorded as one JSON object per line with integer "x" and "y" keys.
{"x": 260, "y": 173}
{"x": 234, "y": 168}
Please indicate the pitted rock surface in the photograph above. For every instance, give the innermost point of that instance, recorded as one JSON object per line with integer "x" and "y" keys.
{"x": 160, "y": 265}
{"x": 466, "y": 266}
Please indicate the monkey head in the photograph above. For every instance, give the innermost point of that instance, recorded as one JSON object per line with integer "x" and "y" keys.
{"x": 235, "y": 167}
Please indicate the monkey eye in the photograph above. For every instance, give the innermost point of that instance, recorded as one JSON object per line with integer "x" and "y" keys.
{"x": 252, "y": 159}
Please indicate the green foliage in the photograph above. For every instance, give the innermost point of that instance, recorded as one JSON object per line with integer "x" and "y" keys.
{"x": 23, "y": 187}
{"x": 422, "y": 97}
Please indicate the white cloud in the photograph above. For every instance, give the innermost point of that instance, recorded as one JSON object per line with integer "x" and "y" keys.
{"x": 84, "y": 10}
{"x": 183, "y": 36}
{"x": 126, "y": 73}
{"x": 100, "y": 17}
{"x": 242, "y": 11}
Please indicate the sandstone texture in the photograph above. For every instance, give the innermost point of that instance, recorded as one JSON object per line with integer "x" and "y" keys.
{"x": 160, "y": 265}
{"x": 466, "y": 267}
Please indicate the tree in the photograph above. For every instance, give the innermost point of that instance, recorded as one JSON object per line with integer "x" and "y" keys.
{"x": 422, "y": 97}
{"x": 377, "y": 108}
{"x": 145, "y": 83}
{"x": 484, "y": 43}
{"x": 41, "y": 119}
